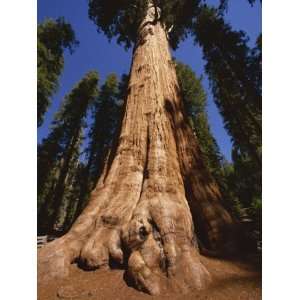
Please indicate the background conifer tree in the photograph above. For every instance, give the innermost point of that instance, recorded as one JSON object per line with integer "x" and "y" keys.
{"x": 194, "y": 98}
{"x": 58, "y": 153}
{"x": 53, "y": 36}
{"x": 233, "y": 73}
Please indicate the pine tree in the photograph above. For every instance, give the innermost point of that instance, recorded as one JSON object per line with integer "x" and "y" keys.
{"x": 52, "y": 38}
{"x": 155, "y": 197}
{"x": 60, "y": 150}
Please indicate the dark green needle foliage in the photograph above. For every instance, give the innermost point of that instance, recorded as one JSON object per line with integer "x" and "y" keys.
{"x": 229, "y": 65}
{"x": 59, "y": 152}
{"x": 194, "y": 99}
{"x": 194, "y": 96}
{"x": 121, "y": 19}
{"x": 234, "y": 71}
{"x": 52, "y": 38}
{"x": 255, "y": 66}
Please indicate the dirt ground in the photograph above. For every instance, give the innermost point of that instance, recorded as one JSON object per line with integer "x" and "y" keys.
{"x": 231, "y": 280}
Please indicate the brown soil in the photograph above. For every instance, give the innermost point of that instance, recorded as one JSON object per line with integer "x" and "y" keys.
{"x": 231, "y": 280}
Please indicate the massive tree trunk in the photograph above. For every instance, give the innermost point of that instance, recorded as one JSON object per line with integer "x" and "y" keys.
{"x": 155, "y": 198}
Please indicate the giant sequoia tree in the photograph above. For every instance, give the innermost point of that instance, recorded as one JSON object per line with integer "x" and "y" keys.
{"x": 155, "y": 198}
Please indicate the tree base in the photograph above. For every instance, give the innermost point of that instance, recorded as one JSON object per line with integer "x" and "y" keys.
{"x": 158, "y": 252}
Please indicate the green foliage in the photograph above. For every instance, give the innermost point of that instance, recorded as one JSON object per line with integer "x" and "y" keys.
{"x": 231, "y": 72}
{"x": 178, "y": 17}
{"x": 191, "y": 88}
{"x": 52, "y": 38}
{"x": 234, "y": 71}
{"x": 194, "y": 99}
{"x": 58, "y": 154}
{"x": 121, "y": 19}
{"x": 239, "y": 181}
{"x": 224, "y": 173}
{"x": 243, "y": 187}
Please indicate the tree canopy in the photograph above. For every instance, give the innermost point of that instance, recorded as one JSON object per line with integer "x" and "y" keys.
{"x": 121, "y": 19}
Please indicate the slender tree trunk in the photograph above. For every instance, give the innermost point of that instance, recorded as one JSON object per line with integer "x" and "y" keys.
{"x": 154, "y": 192}
{"x": 67, "y": 205}
{"x": 57, "y": 203}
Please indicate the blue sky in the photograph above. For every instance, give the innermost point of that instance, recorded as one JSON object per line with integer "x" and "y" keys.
{"x": 95, "y": 52}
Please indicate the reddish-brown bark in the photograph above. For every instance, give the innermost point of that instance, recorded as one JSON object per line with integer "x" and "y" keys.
{"x": 153, "y": 190}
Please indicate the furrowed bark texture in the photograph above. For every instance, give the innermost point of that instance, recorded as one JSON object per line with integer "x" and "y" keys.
{"x": 141, "y": 212}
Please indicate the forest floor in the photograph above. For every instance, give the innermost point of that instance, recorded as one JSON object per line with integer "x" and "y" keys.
{"x": 231, "y": 280}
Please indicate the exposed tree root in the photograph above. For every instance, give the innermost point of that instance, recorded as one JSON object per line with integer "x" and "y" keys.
{"x": 163, "y": 255}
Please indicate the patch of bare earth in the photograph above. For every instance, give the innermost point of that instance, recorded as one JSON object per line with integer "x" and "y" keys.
{"x": 231, "y": 280}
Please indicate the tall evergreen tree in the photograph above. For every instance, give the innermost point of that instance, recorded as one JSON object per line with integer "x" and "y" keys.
{"x": 52, "y": 38}
{"x": 67, "y": 188}
{"x": 59, "y": 150}
{"x": 229, "y": 65}
{"x": 234, "y": 71}
{"x": 194, "y": 99}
